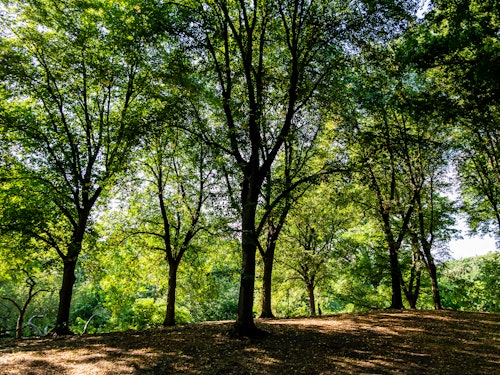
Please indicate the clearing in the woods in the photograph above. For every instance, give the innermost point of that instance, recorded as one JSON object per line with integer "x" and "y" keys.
{"x": 379, "y": 342}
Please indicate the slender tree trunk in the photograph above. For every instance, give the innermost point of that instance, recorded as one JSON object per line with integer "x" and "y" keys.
{"x": 267, "y": 282}
{"x": 412, "y": 289}
{"x": 416, "y": 292}
{"x": 65, "y": 295}
{"x": 172, "y": 287}
{"x": 412, "y": 294}
{"x": 430, "y": 265}
{"x": 19, "y": 324}
{"x": 312, "y": 303}
{"x": 396, "y": 279}
{"x": 436, "y": 296}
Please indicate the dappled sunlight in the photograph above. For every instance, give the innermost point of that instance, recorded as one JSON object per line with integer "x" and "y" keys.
{"x": 96, "y": 359}
{"x": 383, "y": 342}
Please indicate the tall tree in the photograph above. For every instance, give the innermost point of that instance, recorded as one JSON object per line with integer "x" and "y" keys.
{"x": 402, "y": 154}
{"x": 260, "y": 53}
{"x": 303, "y": 162}
{"x": 271, "y": 59}
{"x": 377, "y": 149}
{"x": 75, "y": 76}
{"x": 180, "y": 178}
{"x": 314, "y": 236}
{"x": 457, "y": 45}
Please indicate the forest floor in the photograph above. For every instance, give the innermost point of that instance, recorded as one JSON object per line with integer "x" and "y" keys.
{"x": 378, "y": 342}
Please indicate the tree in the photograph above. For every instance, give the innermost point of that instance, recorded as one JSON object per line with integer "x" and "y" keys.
{"x": 376, "y": 153}
{"x": 361, "y": 278}
{"x": 432, "y": 227}
{"x": 301, "y": 165}
{"x": 402, "y": 150}
{"x": 314, "y": 236}
{"x": 181, "y": 179}
{"x": 471, "y": 284}
{"x": 457, "y": 46}
{"x": 271, "y": 60}
{"x": 260, "y": 53}
{"x": 23, "y": 306}
{"x": 75, "y": 76}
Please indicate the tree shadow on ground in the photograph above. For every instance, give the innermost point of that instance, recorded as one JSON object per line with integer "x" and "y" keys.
{"x": 383, "y": 342}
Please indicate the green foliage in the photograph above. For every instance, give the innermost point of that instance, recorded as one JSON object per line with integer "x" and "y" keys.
{"x": 181, "y": 117}
{"x": 210, "y": 282}
{"x": 458, "y": 48}
{"x": 147, "y": 313}
{"x": 472, "y": 284}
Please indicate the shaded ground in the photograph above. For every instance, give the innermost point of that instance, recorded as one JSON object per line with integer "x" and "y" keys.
{"x": 383, "y": 342}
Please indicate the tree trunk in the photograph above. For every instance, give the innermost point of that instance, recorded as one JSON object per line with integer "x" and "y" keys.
{"x": 172, "y": 287}
{"x": 65, "y": 295}
{"x": 245, "y": 326}
{"x": 312, "y": 303}
{"x": 428, "y": 258}
{"x": 267, "y": 282}
{"x": 19, "y": 324}
{"x": 412, "y": 294}
{"x": 431, "y": 269}
{"x": 417, "y": 291}
{"x": 412, "y": 289}
{"x": 434, "y": 283}
{"x": 397, "y": 298}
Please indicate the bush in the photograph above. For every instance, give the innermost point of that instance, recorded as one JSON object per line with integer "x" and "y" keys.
{"x": 147, "y": 313}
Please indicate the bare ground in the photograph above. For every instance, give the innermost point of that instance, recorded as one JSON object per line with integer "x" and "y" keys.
{"x": 380, "y": 342}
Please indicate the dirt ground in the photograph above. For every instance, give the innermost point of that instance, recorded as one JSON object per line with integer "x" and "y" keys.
{"x": 381, "y": 342}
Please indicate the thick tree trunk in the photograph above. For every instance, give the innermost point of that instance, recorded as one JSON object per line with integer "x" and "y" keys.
{"x": 267, "y": 283}
{"x": 312, "y": 303}
{"x": 245, "y": 326}
{"x": 65, "y": 295}
{"x": 397, "y": 298}
{"x": 172, "y": 287}
{"x": 396, "y": 295}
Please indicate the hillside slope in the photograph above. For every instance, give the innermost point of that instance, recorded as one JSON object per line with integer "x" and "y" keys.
{"x": 380, "y": 342}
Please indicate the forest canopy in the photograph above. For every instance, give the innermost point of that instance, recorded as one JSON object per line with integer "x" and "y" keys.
{"x": 170, "y": 162}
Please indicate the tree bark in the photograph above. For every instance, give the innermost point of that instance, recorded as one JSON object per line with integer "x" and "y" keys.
{"x": 430, "y": 265}
{"x": 436, "y": 296}
{"x": 65, "y": 295}
{"x": 267, "y": 282}
{"x": 245, "y": 326}
{"x": 172, "y": 287}
{"x": 412, "y": 294}
{"x": 312, "y": 303}
{"x": 19, "y": 324}
{"x": 396, "y": 298}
